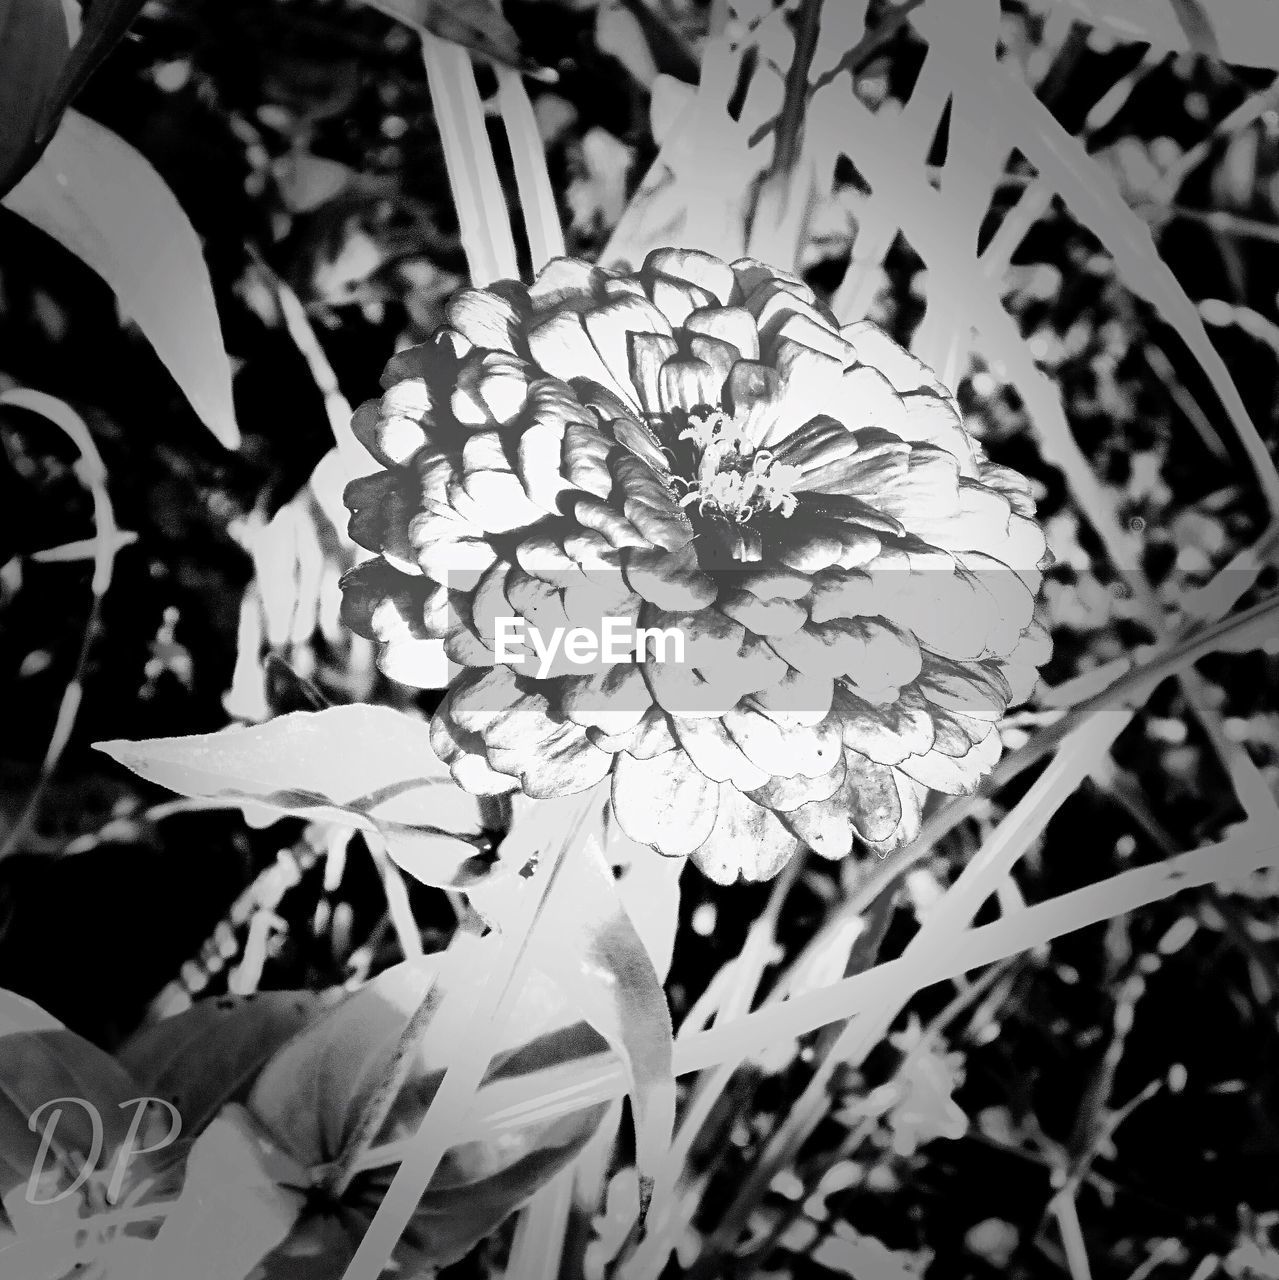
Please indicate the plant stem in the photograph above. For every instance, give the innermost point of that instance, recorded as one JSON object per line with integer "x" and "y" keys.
{"x": 477, "y": 192}
{"x": 336, "y": 1181}
{"x": 472, "y": 1017}
{"x": 561, "y": 1091}
{"x": 537, "y": 199}
{"x": 91, "y": 472}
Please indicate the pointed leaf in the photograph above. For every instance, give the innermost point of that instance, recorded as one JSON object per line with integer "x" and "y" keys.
{"x": 477, "y": 25}
{"x": 366, "y": 766}
{"x": 241, "y": 1197}
{"x": 312, "y": 1094}
{"x": 210, "y": 1054}
{"x": 593, "y": 950}
{"x": 40, "y": 1060}
{"x": 1092, "y": 195}
{"x": 100, "y": 199}
{"x": 1244, "y": 32}
{"x": 57, "y": 1085}
{"x": 44, "y": 63}
{"x": 35, "y": 44}
{"x": 648, "y": 886}
{"x": 589, "y": 945}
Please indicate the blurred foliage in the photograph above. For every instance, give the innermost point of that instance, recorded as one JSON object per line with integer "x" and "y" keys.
{"x": 297, "y": 135}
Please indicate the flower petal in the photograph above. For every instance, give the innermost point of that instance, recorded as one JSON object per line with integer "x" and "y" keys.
{"x": 613, "y": 700}
{"x": 868, "y": 399}
{"x": 584, "y": 459}
{"x": 752, "y": 396}
{"x": 395, "y": 427}
{"x": 648, "y": 353}
{"x": 748, "y": 842}
{"x": 709, "y": 746}
{"x": 733, "y": 325}
{"x": 870, "y": 651}
{"x": 969, "y": 689}
{"x": 954, "y": 775}
{"x": 784, "y": 795}
{"x": 784, "y": 750}
{"x": 888, "y": 734}
{"x": 566, "y": 284}
{"x": 873, "y": 801}
{"x": 796, "y": 698}
{"x": 874, "y": 347}
{"x": 672, "y": 580}
{"x": 562, "y": 347}
{"x": 692, "y": 265}
{"x": 648, "y": 504}
{"x": 486, "y": 319}
{"x": 776, "y": 617}
{"x": 687, "y": 383}
{"x": 612, "y": 326}
{"x": 677, "y": 299}
{"x": 683, "y": 692}
{"x": 686, "y": 815}
{"x": 559, "y": 763}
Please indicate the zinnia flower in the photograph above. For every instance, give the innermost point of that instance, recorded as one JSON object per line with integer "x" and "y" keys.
{"x": 698, "y": 446}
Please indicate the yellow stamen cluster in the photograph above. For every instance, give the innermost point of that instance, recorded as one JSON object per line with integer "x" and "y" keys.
{"x": 732, "y": 478}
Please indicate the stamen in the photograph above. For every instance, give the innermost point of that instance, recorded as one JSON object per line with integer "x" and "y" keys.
{"x": 732, "y": 480}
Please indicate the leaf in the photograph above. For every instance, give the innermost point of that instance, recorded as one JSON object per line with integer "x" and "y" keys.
{"x": 1092, "y": 195}
{"x": 863, "y": 1258}
{"x": 211, "y": 1053}
{"x": 34, "y": 47}
{"x": 40, "y": 1060}
{"x": 1244, "y": 32}
{"x": 477, "y": 25}
{"x": 54, "y": 1083}
{"x": 43, "y": 65}
{"x": 241, "y": 1197}
{"x": 101, "y": 200}
{"x": 682, "y": 200}
{"x": 365, "y": 766}
{"x": 648, "y": 887}
{"x": 587, "y": 943}
{"x": 312, "y": 1094}
{"x": 1197, "y": 26}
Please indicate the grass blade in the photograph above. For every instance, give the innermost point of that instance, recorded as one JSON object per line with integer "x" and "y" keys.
{"x": 477, "y": 193}
{"x": 1092, "y": 195}
{"x": 537, "y": 200}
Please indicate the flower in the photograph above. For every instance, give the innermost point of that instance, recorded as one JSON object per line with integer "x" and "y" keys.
{"x": 698, "y": 447}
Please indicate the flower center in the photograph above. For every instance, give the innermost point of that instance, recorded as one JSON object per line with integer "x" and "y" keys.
{"x": 733, "y": 479}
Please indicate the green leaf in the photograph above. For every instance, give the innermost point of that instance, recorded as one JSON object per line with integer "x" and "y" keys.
{"x": 34, "y": 47}
{"x": 1244, "y": 32}
{"x": 1197, "y": 26}
{"x": 1092, "y": 195}
{"x": 41, "y": 1060}
{"x": 211, "y": 1053}
{"x": 44, "y": 63}
{"x": 241, "y": 1198}
{"x": 55, "y": 1083}
{"x": 477, "y": 25}
{"x": 366, "y": 766}
{"x": 312, "y": 1095}
{"x": 586, "y": 941}
{"x": 101, "y": 200}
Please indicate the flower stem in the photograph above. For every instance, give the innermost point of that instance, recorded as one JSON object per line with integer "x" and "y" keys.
{"x": 472, "y": 1017}
{"x": 537, "y": 199}
{"x": 482, "y": 216}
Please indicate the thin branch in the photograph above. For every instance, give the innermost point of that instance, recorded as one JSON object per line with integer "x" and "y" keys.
{"x": 91, "y": 472}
